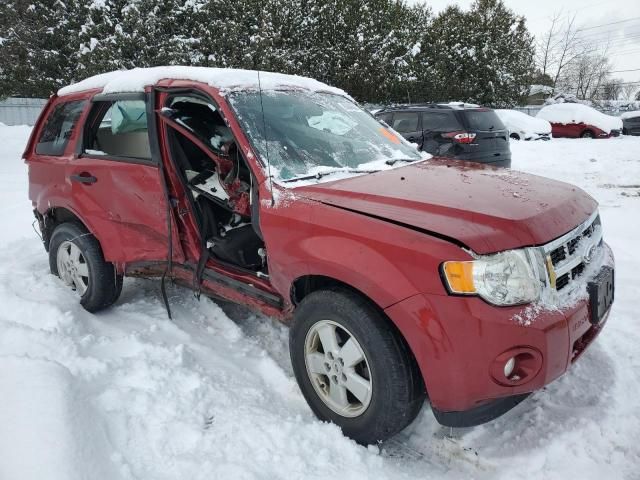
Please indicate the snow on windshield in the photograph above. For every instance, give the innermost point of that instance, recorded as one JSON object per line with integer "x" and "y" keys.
{"x": 313, "y": 136}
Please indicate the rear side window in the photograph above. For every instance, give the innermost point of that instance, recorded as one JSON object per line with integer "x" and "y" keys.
{"x": 59, "y": 127}
{"x": 118, "y": 129}
{"x": 483, "y": 120}
{"x": 440, "y": 121}
{"x": 405, "y": 122}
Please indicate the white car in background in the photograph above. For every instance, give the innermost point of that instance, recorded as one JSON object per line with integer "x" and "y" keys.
{"x": 524, "y": 127}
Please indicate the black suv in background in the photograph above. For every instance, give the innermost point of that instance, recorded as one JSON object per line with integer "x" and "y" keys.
{"x": 458, "y": 130}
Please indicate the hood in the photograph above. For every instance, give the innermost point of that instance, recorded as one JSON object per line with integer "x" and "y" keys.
{"x": 483, "y": 208}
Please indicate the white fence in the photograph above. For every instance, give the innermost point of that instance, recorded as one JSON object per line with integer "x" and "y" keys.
{"x": 21, "y": 111}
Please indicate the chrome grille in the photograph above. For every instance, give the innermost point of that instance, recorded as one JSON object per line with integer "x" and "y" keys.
{"x": 568, "y": 255}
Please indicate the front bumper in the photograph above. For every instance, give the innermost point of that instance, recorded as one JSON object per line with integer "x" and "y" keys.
{"x": 458, "y": 341}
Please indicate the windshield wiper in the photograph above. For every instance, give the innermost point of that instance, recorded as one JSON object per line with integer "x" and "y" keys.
{"x": 395, "y": 160}
{"x": 321, "y": 174}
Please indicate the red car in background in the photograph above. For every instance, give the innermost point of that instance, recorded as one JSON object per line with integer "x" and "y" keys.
{"x": 575, "y": 120}
{"x": 402, "y": 277}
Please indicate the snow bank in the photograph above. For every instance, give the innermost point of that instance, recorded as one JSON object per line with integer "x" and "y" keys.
{"x": 524, "y": 124}
{"x": 49, "y": 430}
{"x": 634, "y": 114}
{"x": 128, "y": 394}
{"x": 137, "y": 79}
{"x": 567, "y": 113}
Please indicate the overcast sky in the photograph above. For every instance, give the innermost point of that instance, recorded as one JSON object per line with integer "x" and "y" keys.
{"x": 624, "y": 36}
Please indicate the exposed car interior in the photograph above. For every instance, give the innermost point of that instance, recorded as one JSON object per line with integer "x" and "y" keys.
{"x": 219, "y": 182}
{"x": 118, "y": 129}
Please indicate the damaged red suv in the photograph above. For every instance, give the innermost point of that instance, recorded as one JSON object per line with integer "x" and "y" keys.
{"x": 402, "y": 276}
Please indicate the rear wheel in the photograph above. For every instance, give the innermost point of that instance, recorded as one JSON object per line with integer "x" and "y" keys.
{"x": 76, "y": 257}
{"x": 587, "y": 134}
{"x": 514, "y": 136}
{"x": 353, "y": 367}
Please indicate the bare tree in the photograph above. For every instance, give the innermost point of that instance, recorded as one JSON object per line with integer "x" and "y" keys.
{"x": 629, "y": 90}
{"x": 611, "y": 89}
{"x": 588, "y": 75}
{"x": 567, "y": 49}
{"x": 545, "y": 47}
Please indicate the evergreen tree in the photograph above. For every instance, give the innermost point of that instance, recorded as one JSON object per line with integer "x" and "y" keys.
{"x": 37, "y": 53}
{"x": 123, "y": 34}
{"x": 377, "y": 50}
{"x": 484, "y": 55}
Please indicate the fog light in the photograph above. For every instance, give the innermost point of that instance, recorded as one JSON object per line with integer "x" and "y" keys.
{"x": 516, "y": 366}
{"x": 509, "y": 366}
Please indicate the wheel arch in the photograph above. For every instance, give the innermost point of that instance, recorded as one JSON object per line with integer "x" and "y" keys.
{"x": 54, "y": 216}
{"x": 307, "y": 284}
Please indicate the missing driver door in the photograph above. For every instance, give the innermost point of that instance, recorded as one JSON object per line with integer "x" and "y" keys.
{"x": 214, "y": 184}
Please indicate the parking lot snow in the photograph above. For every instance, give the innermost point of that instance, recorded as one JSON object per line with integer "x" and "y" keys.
{"x": 129, "y": 394}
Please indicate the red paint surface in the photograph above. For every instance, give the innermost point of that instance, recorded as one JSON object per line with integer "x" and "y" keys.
{"x": 575, "y": 130}
{"x": 332, "y": 230}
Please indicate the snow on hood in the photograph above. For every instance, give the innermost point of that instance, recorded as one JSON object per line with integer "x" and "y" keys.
{"x": 567, "y": 113}
{"x": 517, "y": 121}
{"x": 135, "y": 80}
{"x": 634, "y": 114}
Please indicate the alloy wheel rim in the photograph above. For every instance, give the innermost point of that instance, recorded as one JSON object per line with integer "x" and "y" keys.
{"x": 338, "y": 368}
{"x": 72, "y": 267}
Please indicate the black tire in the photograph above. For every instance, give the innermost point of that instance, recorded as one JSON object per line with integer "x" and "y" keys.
{"x": 514, "y": 136}
{"x": 397, "y": 388}
{"x": 104, "y": 284}
{"x": 587, "y": 134}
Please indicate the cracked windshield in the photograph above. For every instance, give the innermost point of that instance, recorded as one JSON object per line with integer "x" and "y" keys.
{"x": 314, "y": 135}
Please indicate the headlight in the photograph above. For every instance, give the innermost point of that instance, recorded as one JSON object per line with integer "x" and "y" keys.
{"x": 505, "y": 278}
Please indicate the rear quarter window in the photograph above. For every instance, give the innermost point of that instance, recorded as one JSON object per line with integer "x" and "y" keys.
{"x": 59, "y": 127}
{"x": 404, "y": 122}
{"x": 483, "y": 120}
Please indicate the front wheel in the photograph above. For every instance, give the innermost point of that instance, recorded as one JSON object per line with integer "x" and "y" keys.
{"x": 353, "y": 367}
{"x": 76, "y": 257}
{"x": 587, "y": 134}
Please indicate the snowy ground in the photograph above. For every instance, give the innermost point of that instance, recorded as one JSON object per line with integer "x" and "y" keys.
{"x": 129, "y": 394}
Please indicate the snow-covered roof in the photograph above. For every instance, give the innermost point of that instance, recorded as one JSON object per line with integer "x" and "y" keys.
{"x": 536, "y": 89}
{"x": 633, "y": 114}
{"x": 459, "y": 105}
{"x": 567, "y": 113}
{"x": 135, "y": 80}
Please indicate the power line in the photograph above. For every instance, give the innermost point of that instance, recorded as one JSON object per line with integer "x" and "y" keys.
{"x": 613, "y": 35}
{"x": 619, "y": 30}
{"x": 606, "y": 24}
{"x": 622, "y": 71}
{"x": 624, "y": 52}
{"x": 580, "y": 9}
